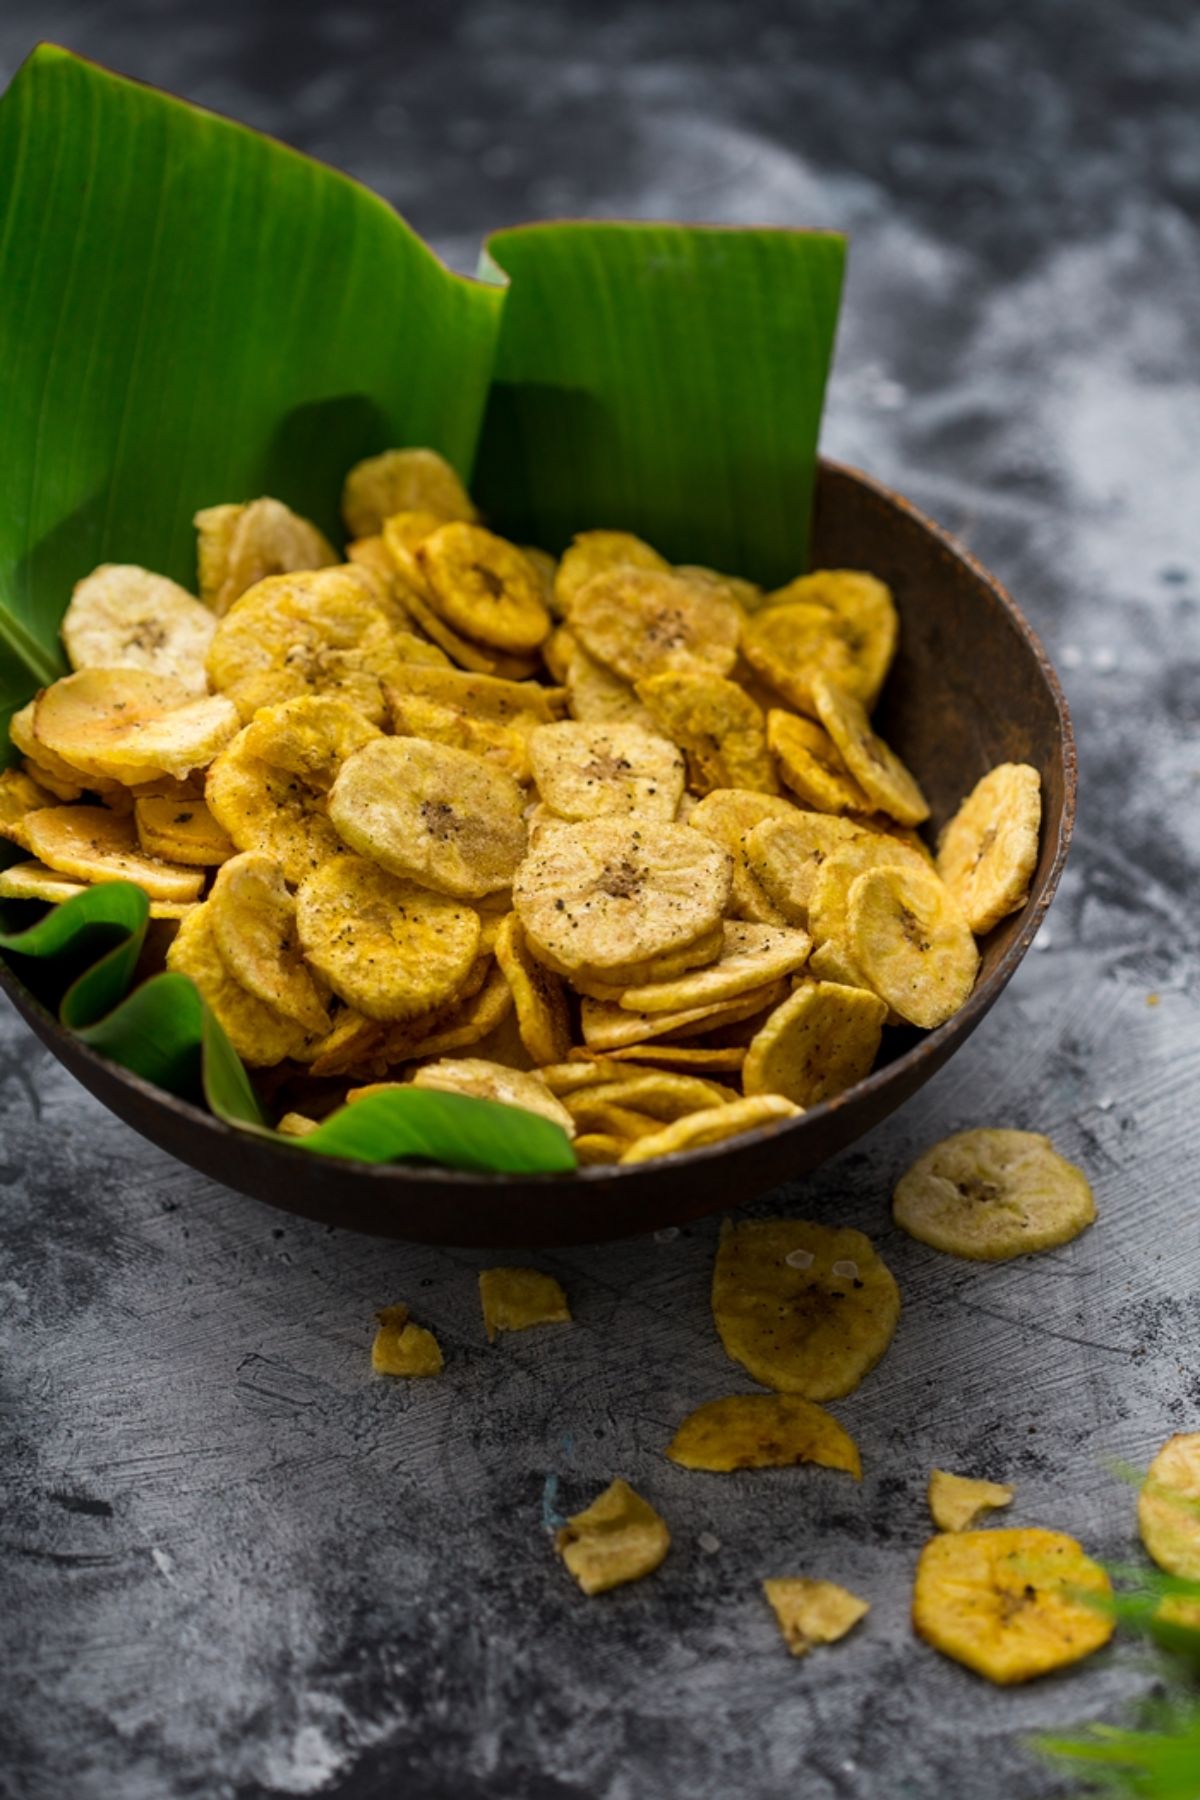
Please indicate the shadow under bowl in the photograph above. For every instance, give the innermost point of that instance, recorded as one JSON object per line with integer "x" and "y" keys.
{"x": 971, "y": 687}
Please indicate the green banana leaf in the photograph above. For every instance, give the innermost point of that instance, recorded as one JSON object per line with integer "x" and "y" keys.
{"x": 192, "y": 313}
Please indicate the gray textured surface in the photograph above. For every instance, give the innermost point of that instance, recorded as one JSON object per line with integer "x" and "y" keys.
{"x": 234, "y": 1564}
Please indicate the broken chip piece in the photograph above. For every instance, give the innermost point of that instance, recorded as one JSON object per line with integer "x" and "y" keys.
{"x": 957, "y": 1501}
{"x": 515, "y": 1299}
{"x": 763, "y": 1431}
{"x": 402, "y": 1348}
{"x": 812, "y": 1612}
{"x": 618, "y": 1538}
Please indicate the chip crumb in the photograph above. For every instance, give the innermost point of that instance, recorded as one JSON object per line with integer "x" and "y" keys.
{"x": 956, "y": 1501}
{"x": 812, "y": 1612}
{"x": 514, "y": 1299}
{"x": 402, "y": 1348}
{"x": 709, "y": 1542}
{"x": 618, "y": 1538}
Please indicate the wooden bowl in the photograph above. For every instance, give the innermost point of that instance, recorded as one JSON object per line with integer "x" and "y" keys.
{"x": 971, "y": 687}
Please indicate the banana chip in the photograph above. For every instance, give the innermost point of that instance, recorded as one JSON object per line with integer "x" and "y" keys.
{"x": 1169, "y": 1506}
{"x": 804, "y": 1308}
{"x": 1011, "y": 1604}
{"x": 610, "y": 1119}
{"x": 812, "y": 1612}
{"x": 239, "y": 546}
{"x": 125, "y": 617}
{"x": 597, "y": 696}
{"x": 728, "y": 816}
{"x": 641, "y": 622}
{"x": 484, "y": 587}
{"x": 791, "y": 646}
{"x": 541, "y": 1006}
{"x": 607, "y": 1025}
{"x": 34, "y": 881}
{"x": 606, "y": 893}
{"x": 520, "y": 706}
{"x": 297, "y": 1125}
{"x": 265, "y": 808}
{"x": 595, "y": 1147}
{"x": 431, "y": 812}
{"x": 988, "y": 852}
{"x": 713, "y": 1126}
{"x": 593, "y": 553}
{"x": 129, "y": 725}
{"x": 63, "y": 781}
{"x": 591, "y": 771}
{"x": 866, "y": 611}
{"x": 809, "y": 762}
{"x": 402, "y": 1348}
{"x": 718, "y": 726}
{"x": 402, "y": 481}
{"x": 660, "y": 1094}
{"x": 786, "y": 853}
{"x": 310, "y": 737}
{"x": 414, "y": 716}
{"x": 619, "y": 1538}
{"x": 94, "y": 845}
{"x": 20, "y": 794}
{"x": 181, "y": 831}
{"x": 696, "y": 954}
{"x": 751, "y": 957}
{"x": 388, "y": 948}
{"x": 260, "y": 1035}
{"x": 822, "y": 1040}
{"x": 763, "y": 1431}
{"x": 748, "y": 594}
{"x": 912, "y": 943}
{"x": 466, "y": 1022}
{"x": 457, "y": 651}
{"x": 877, "y": 770}
{"x": 991, "y": 1195}
{"x": 253, "y": 918}
{"x": 489, "y": 1081}
{"x": 956, "y": 1502}
{"x": 515, "y": 1299}
{"x": 557, "y": 651}
{"x": 682, "y": 1056}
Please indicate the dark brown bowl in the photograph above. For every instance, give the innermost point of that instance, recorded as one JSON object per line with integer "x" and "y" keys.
{"x": 971, "y": 687}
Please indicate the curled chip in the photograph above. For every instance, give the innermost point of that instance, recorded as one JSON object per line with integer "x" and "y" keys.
{"x": 956, "y": 1502}
{"x": 812, "y": 1612}
{"x": 804, "y": 1308}
{"x": 514, "y": 1299}
{"x": 415, "y": 716}
{"x": 260, "y": 1035}
{"x": 658, "y": 1093}
{"x": 912, "y": 943}
{"x": 607, "y": 893}
{"x": 35, "y": 881}
{"x": 751, "y": 957}
{"x": 92, "y": 844}
{"x": 683, "y": 1056}
{"x": 609, "y": 1118}
{"x": 1169, "y": 1506}
{"x": 388, "y": 948}
{"x": 791, "y": 646}
{"x": 990, "y": 1195}
{"x": 728, "y": 816}
{"x": 454, "y": 649}
{"x": 254, "y": 927}
{"x": 432, "y": 812}
{"x": 819, "y": 1042}
{"x": 810, "y": 764}
{"x": 594, "y": 1147}
{"x": 402, "y": 1348}
{"x": 988, "y": 852}
{"x": 490, "y": 1081}
{"x": 786, "y": 853}
{"x": 693, "y": 955}
{"x": 590, "y": 771}
{"x": 608, "y": 1026}
{"x": 593, "y": 552}
{"x": 763, "y": 1431}
{"x": 1011, "y": 1604}
{"x": 866, "y": 611}
{"x": 129, "y": 725}
{"x": 181, "y": 831}
{"x": 20, "y": 794}
{"x": 718, "y": 726}
{"x": 598, "y": 696}
{"x": 63, "y": 780}
{"x": 558, "y": 650}
{"x": 520, "y": 706}
{"x": 877, "y": 770}
{"x": 484, "y": 587}
{"x": 297, "y": 1125}
{"x": 619, "y": 1538}
{"x": 542, "y": 1017}
{"x": 318, "y": 633}
{"x": 465, "y": 1022}
{"x": 239, "y": 546}
{"x": 402, "y": 481}
{"x": 125, "y": 617}
{"x": 713, "y": 1126}
{"x": 310, "y": 737}
{"x": 642, "y": 622}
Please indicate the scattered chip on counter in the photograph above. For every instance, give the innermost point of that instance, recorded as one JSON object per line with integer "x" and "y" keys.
{"x": 763, "y": 1431}
{"x": 619, "y": 1538}
{"x": 992, "y": 1194}
{"x": 402, "y": 1348}
{"x": 956, "y": 1502}
{"x": 812, "y": 1612}
{"x": 514, "y": 1299}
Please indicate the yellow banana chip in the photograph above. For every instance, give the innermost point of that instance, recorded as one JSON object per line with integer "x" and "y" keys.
{"x": 592, "y": 553}
{"x": 402, "y": 481}
{"x": 763, "y": 1431}
{"x": 64, "y": 781}
{"x": 912, "y": 943}
{"x": 807, "y": 1309}
{"x": 606, "y": 893}
{"x": 388, "y": 948}
{"x": 594, "y": 1147}
{"x": 129, "y": 725}
{"x": 791, "y": 646}
{"x": 265, "y": 808}
{"x": 812, "y": 1612}
{"x": 877, "y": 770}
{"x": 484, "y": 587}
{"x": 751, "y": 957}
{"x": 829, "y": 899}
{"x": 728, "y": 816}
{"x": 402, "y": 1348}
{"x": 310, "y": 737}
{"x": 718, "y": 726}
{"x": 819, "y": 1042}
{"x": 956, "y": 1502}
{"x": 609, "y": 1118}
{"x": 865, "y": 609}
{"x": 33, "y": 880}
{"x": 988, "y": 852}
{"x": 642, "y": 622}
{"x": 253, "y": 919}
{"x": 1011, "y": 1605}
{"x": 239, "y": 546}
{"x": 557, "y": 651}
{"x": 181, "y": 831}
{"x": 261, "y": 1036}
{"x": 469, "y": 1021}
{"x": 787, "y": 851}
{"x": 606, "y": 1025}
{"x": 431, "y": 812}
{"x": 542, "y": 1016}
{"x": 810, "y": 764}
{"x": 519, "y": 705}
{"x": 660, "y": 1094}
{"x": 990, "y": 1195}
{"x": 748, "y": 594}
{"x": 712, "y": 1126}
{"x": 92, "y": 844}
{"x": 696, "y": 954}
{"x": 295, "y": 1124}
{"x": 20, "y": 794}
{"x": 489, "y": 1081}
{"x": 598, "y": 696}
{"x": 455, "y": 649}
{"x": 348, "y": 1046}
{"x": 619, "y": 1538}
{"x": 683, "y": 1056}
{"x": 1169, "y": 1506}
{"x": 583, "y": 1070}
{"x": 125, "y": 617}
{"x": 414, "y": 716}
{"x": 515, "y": 1299}
{"x": 591, "y": 771}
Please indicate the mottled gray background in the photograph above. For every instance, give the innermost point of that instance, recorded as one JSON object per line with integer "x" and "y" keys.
{"x": 238, "y": 1567}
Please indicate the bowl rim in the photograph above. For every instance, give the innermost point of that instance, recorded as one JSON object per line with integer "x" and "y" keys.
{"x": 960, "y": 1024}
